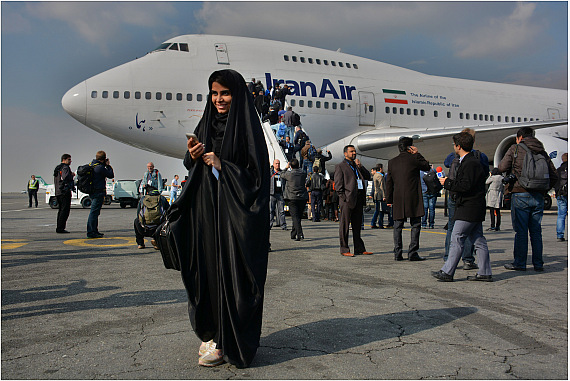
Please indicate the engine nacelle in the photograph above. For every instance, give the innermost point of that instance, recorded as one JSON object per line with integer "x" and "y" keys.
{"x": 502, "y": 149}
{"x": 555, "y": 146}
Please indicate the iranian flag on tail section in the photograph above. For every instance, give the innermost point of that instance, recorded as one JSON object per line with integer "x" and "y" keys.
{"x": 395, "y": 96}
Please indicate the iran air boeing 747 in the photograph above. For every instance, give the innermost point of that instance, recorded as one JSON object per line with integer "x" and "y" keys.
{"x": 151, "y": 102}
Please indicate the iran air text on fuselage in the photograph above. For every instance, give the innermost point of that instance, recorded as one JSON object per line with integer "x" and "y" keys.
{"x": 309, "y": 89}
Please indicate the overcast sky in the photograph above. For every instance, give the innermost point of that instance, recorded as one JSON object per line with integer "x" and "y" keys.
{"x": 48, "y": 47}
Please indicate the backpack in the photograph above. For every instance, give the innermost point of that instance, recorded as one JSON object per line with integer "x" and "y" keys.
{"x": 85, "y": 175}
{"x": 312, "y": 153}
{"x": 303, "y": 137}
{"x": 535, "y": 174}
{"x": 150, "y": 214}
{"x": 282, "y": 131}
{"x": 317, "y": 163}
{"x": 317, "y": 182}
{"x": 296, "y": 119}
{"x": 432, "y": 182}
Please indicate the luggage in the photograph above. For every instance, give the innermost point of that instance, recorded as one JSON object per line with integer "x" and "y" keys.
{"x": 165, "y": 241}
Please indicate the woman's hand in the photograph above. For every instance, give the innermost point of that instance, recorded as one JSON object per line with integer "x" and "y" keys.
{"x": 195, "y": 148}
{"x": 212, "y": 160}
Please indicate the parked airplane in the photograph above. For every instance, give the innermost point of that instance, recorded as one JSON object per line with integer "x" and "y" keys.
{"x": 151, "y": 102}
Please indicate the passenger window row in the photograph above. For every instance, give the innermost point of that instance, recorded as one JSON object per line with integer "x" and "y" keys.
{"x": 148, "y": 95}
{"x": 467, "y": 116}
{"x": 318, "y": 104}
{"x": 318, "y": 61}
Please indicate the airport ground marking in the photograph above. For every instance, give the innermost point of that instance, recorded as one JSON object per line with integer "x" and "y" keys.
{"x": 10, "y": 244}
{"x": 424, "y": 231}
{"x": 95, "y": 242}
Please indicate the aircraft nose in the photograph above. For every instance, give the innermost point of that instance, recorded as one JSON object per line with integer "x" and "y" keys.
{"x": 74, "y": 102}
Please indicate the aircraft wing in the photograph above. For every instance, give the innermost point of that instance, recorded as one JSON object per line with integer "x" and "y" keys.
{"x": 435, "y": 144}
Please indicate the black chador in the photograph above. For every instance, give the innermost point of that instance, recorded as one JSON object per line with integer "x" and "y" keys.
{"x": 222, "y": 227}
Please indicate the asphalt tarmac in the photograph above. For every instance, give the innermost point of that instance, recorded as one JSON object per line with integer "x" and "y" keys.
{"x": 74, "y": 308}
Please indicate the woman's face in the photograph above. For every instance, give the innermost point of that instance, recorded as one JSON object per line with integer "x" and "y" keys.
{"x": 221, "y": 97}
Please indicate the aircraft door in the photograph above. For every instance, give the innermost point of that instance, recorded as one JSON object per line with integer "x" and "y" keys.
{"x": 367, "y": 108}
{"x": 222, "y": 54}
{"x": 553, "y": 113}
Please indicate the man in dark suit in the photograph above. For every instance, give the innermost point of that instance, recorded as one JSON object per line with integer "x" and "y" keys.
{"x": 349, "y": 176}
{"x": 469, "y": 185}
{"x": 404, "y": 194}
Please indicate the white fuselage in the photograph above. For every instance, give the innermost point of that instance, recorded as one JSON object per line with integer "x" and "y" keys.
{"x": 151, "y": 102}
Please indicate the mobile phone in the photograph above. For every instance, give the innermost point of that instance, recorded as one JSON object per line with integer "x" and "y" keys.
{"x": 191, "y": 135}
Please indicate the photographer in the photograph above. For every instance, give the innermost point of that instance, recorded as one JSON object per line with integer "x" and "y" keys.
{"x": 527, "y": 203}
{"x": 101, "y": 171}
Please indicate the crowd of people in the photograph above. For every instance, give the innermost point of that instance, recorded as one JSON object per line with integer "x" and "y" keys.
{"x": 231, "y": 191}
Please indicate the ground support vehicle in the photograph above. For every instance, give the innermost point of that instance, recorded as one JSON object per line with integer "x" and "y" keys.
{"x": 126, "y": 192}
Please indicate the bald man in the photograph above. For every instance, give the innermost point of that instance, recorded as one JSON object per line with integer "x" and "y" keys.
{"x": 276, "y": 204}
{"x": 151, "y": 178}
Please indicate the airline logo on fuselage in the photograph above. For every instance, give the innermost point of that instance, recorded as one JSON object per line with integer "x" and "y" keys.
{"x": 310, "y": 89}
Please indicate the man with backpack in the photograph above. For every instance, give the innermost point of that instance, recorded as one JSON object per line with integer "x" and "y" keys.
{"x": 101, "y": 171}
{"x": 291, "y": 120}
{"x": 150, "y": 214}
{"x": 316, "y": 184}
{"x": 308, "y": 153}
{"x": 320, "y": 160}
{"x": 151, "y": 177}
{"x": 561, "y": 189}
{"x": 63, "y": 183}
{"x": 534, "y": 174}
{"x": 430, "y": 190}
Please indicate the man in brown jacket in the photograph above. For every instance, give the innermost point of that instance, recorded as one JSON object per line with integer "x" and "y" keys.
{"x": 349, "y": 176}
{"x": 527, "y": 205}
{"x": 404, "y": 194}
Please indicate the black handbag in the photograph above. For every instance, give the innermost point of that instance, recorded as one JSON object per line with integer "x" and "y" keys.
{"x": 165, "y": 241}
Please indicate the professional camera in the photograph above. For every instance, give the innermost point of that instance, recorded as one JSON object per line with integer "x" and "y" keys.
{"x": 509, "y": 179}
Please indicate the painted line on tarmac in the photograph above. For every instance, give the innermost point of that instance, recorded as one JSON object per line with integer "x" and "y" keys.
{"x": 96, "y": 242}
{"x": 22, "y": 210}
{"x": 10, "y": 244}
{"x": 423, "y": 231}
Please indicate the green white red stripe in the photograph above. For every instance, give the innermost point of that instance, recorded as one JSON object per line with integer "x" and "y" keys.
{"x": 395, "y": 96}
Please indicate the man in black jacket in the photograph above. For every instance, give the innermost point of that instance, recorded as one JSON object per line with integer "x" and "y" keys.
{"x": 316, "y": 184}
{"x": 101, "y": 172}
{"x": 469, "y": 185}
{"x": 404, "y": 195}
{"x": 63, "y": 183}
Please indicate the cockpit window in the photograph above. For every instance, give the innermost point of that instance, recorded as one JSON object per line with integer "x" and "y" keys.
{"x": 183, "y": 47}
{"x": 162, "y": 46}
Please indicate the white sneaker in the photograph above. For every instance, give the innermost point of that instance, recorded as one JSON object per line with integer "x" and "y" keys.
{"x": 204, "y": 347}
{"x": 212, "y": 356}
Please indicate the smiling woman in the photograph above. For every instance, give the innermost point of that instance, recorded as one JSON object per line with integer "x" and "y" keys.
{"x": 221, "y": 224}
